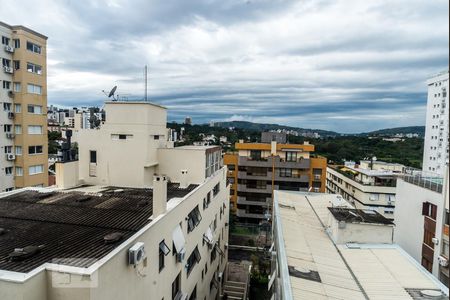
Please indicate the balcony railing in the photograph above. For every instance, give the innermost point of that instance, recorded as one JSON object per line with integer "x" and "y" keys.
{"x": 429, "y": 181}
{"x": 243, "y": 214}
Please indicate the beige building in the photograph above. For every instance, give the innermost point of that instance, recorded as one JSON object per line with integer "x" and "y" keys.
{"x": 366, "y": 186}
{"x": 23, "y": 93}
{"x": 133, "y": 218}
{"x": 324, "y": 249}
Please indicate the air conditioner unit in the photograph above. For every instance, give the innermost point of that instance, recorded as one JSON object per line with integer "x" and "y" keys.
{"x": 435, "y": 241}
{"x": 8, "y": 69}
{"x": 10, "y": 135}
{"x": 10, "y": 156}
{"x": 11, "y": 94}
{"x": 443, "y": 261}
{"x": 10, "y": 115}
{"x": 180, "y": 256}
{"x": 9, "y": 49}
{"x": 136, "y": 254}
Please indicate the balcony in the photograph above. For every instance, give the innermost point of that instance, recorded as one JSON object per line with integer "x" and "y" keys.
{"x": 245, "y": 175}
{"x": 254, "y": 189}
{"x": 429, "y": 181}
{"x": 279, "y": 163}
{"x": 301, "y": 178}
{"x": 244, "y": 201}
{"x": 243, "y": 214}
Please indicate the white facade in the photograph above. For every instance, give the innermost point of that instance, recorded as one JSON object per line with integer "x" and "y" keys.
{"x": 436, "y": 154}
{"x": 130, "y": 148}
{"x": 363, "y": 192}
{"x": 6, "y": 107}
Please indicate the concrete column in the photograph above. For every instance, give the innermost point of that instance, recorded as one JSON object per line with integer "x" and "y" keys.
{"x": 159, "y": 195}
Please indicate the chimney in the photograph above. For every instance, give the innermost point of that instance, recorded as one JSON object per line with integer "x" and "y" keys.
{"x": 184, "y": 179}
{"x": 273, "y": 148}
{"x": 159, "y": 195}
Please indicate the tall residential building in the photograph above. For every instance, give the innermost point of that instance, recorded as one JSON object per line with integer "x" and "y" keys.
{"x": 369, "y": 185}
{"x": 23, "y": 116}
{"x": 256, "y": 169}
{"x": 324, "y": 249}
{"x": 133, "y": 218}
{"x": 435, "y": 152}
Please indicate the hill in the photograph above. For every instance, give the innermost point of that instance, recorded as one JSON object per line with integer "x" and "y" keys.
{"x": 265, "y": 127}
{"x": 420, "y": 130}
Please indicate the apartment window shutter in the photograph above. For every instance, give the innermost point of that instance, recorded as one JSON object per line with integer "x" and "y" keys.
{"x": 425, "y": 208}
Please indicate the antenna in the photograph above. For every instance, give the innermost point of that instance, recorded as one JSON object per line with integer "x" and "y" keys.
{"x": 111, "y": 93}
{"x": 145, "y": 83}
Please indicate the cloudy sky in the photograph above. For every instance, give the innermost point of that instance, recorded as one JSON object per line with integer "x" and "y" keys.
{"x": 347, "y": 66}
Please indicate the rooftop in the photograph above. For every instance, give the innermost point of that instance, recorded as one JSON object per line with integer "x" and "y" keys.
{"x": 350, "y": 215}
{"x": 316, "y": 268}
{"x": 85, "y": 222}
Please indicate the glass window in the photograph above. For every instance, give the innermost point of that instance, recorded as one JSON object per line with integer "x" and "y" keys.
{"x": 17, "y": 108}
{"x": 19, "y": 171}
{"x": 163, "y": 251}
{"x": 6, "y": 85}
{"x": 35, "y": 109}
{"x": 8, "y": 170}
{"x": 18, "y": 150}
{"x": 34, "y": 89}
{"x": 16, "y": 64}
{"x": 93, "y": 157}
{"x": 16, "y": 43}
{"x": 5, "y": 40}
{"x": 34, "y": 129}
{"x": 35, "y": 149}
{"x": 32, "y": 68}
{"x": 17, "y": 87}
{"x": 176, "y": 286}
{"x": 291, "y": 156}
{"x": 18, "y": 129}
{"x": 33, "y": 47}
{"x": 37, "y": 169}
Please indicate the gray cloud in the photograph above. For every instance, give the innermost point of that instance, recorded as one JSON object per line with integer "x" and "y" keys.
{"x": 349, "y": 66}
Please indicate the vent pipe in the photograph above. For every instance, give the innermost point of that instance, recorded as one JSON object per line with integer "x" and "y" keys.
{"x": 184, "y": 179}
{"x": 159, "y": 195}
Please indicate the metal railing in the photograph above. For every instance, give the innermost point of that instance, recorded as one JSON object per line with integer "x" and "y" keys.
{"x": 431, "y": 181}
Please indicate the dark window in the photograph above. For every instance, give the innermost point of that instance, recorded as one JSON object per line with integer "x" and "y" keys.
{"x": 35, "y": 150}
{"x": 156, "y": 137}
{"x": 255, "y": 154}
{"x": 122, "y": 136}
{"x": 163, "y": 251}
{"x": 291, "y": 156}
{"x": 216, "y": 189}
{"x": 176, "y": 284}
{"x": 194, "y": 219}
{"x": 33, "y": 47}
{"x": 16, "y": 43}
{"x": 231, "y": 167}
{"x": 5, "y": 40}
{"x": 93, "y": 157}
{"x": 192, "y": 260}
{"x": 16, "y": 64}
{"x": 429, "y": 210}
{"x": 193, "y": 295}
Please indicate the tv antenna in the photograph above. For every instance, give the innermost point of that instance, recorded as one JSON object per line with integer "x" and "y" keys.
{"x": 111, "y": 94}
{"x": 145, "y": 82}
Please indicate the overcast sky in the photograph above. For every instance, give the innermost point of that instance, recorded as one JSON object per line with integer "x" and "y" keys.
{"x": 347, "y": 66}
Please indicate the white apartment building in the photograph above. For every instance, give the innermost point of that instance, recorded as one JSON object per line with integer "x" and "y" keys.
{"x": 435, "y": 154}
{"x": 6, "y": 119}
{"x": 325, "y": 249}
{"x": 133, "y": 218}
{"x": 366, "y": 187}
{"x": 422, "y": 221}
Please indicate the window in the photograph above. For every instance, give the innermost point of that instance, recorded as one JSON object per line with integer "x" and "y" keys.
{"x": 35, "y": 150}
{"x": 156, "y": 137}
{"x": 7, "y": 128}
{"x": 5, "y": 40}
{"x": 192, "y": 260}
{"x": 8, "y": 170}
{"x": 34, "y": 109}
{"x": 255, "y": 154}
{"x": 285, "y": 172}
{"x": 429, "y": 210}
{"x": 16, "y": 43}
{"x": 193, "y": 295}
{"x": 93, "y": 157}
{"x": 176, "y": 286}
{"x": 6, "y": 62}
{"x": 32, "y": 68}
{"x": 16, "y": 64}
{"x": 121, "y": 136}
{"x": 216, "y": 189}
{"x": 163, "y": 251}
{"x": 17, "y": 87}
{"x": 37, "y": 169}
{"x": 231, "y": 167}
{"x": 291, "y": 156}
{"x": 34, "y": 89}
{"x": 17, "y": 108}
{"x": 33, "y": 47}
{"x": 7, "y": 106}
{"x": 34, "y": 129}
{"x": 194, "y": 219}
{"x": 19, "y": 171}
{"x": 6, "y": 85}
{"x": 8, "y": 149}
{"x": 18, "y": 129}
{"x": 18, "y": 150}
{"x": 373, "y": 197}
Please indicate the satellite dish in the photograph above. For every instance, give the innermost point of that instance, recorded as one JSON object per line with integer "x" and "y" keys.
{"x": 111, "y": 93}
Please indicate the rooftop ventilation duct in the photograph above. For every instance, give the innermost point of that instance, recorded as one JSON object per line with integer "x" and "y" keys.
{"x": 159, "y": 195}
{"x": 184, "y": 179}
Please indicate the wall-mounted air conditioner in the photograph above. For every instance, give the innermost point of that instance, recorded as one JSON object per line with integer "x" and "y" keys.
{"x": 443, "y": 261}
{"x": 9, "y": 49}
{"x": 10, "y": 156}
{"x": 136, "y": 254}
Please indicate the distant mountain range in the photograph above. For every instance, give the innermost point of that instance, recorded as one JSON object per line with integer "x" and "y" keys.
{"x": 420, "y": 130}
{"x": 265, "y": 127}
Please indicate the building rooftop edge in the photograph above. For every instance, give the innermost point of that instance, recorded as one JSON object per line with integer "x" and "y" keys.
{"x": 134, "y": 102}
{"x": 15, "y": 27}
